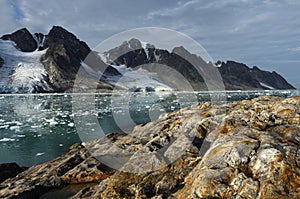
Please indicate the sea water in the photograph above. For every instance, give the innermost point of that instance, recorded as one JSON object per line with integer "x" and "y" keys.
{"x": 39, "y": 127}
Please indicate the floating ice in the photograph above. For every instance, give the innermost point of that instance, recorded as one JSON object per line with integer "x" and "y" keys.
{"x": 7, "y": 140}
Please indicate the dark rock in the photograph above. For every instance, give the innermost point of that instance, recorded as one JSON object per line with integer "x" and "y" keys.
{"x": 129, "y": 53}
{"x": 235, "y": 76}
{"x": 150, "y": 89}
{"x": 64, "y": 57}
{"x": 238, "y": 76}
{"x": 23, "y": 39}
{"x": 9, "y": 170}
{"x": 271, "y": 79}
{"x": 1, "y": 62}
{"x": 40, "y": 40}
{"x": 134, "y": 56}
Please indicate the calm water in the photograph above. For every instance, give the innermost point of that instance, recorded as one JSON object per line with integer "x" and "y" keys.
{"x": 37, "y": 128}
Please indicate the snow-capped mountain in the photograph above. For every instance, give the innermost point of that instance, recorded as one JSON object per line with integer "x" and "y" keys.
{"x": 43, "y": 63}
{"x": 236, "y": 76}
{"x": 50, "y": 63}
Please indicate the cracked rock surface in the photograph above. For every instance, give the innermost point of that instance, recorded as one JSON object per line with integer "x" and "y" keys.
{"x": 245, "y": 149}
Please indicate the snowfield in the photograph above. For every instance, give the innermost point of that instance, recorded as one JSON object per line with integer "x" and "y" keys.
{"x": 134, "y": 79}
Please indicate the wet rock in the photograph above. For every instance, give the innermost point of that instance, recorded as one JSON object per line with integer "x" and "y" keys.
{"x": 245, "y": 149}
{"x": 70, "y": 168}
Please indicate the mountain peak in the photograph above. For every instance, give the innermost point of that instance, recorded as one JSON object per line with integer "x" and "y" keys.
{"x": 180, "y": 50}
{"x": 23, "y": 39}
{"x": 134, "y": 43}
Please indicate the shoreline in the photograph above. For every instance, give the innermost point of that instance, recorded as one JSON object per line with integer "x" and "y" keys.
{"x": 254, "y": 151}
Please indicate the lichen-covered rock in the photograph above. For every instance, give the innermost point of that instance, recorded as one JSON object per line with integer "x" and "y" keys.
{"x": 70, "y": 168}
{"x": 245, "y": 149}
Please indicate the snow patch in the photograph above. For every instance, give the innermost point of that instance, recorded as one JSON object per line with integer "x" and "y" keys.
{"x": 139, "y": 79}
{"x": 144, "y": 44}
{"x": 104, "y": 57}
{"x": 265, "y": 85}
{"x": 156, "y": 56}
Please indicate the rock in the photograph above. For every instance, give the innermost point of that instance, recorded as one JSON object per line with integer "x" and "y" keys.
{"x": 74, "y": 167}
{"x": 245, "y": 149}
{"x": 239, "y": 76}
{"x": 272, "y": 79}
{"x": 40, "y": 37}
{"x": 63, "y": 58}
{"x": 1, "y": 62}
{"x": 9, "y": 170}
{"x": 129, "y": 53}
{"x": 23, "y": 39}
{"x": 235, "y": 76}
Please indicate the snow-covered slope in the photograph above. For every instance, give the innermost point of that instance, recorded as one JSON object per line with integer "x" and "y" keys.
{"x": 134, "y": 79}
{"x": 21, "y": 72}
{"x": 137, "y": 80}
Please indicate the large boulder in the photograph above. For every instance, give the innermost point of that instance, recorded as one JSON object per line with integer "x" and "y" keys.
{"x": 23, "y": 39}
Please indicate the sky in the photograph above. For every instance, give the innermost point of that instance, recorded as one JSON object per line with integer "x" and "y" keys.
{"x": 263, "y": 33}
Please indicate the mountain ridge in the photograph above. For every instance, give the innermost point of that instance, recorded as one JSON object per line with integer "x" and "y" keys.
{"x": 65, "y": 53}
{"x": 236, "y": 76}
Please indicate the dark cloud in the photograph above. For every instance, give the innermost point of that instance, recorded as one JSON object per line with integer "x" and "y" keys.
{"x": 257, "y": 32}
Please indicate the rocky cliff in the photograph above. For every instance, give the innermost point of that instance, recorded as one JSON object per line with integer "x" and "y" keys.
{"x": 238, "y": 76}
{"x": 246, "y": 149}
{"x": 23, "y": 39}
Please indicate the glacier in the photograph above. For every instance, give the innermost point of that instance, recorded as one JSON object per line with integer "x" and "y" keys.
{"x": 22, "y": 72}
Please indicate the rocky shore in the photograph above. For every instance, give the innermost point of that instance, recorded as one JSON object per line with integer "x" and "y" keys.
{"x": 245, "y": 149}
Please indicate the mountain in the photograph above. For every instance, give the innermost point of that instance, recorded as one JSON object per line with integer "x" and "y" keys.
{"x": 235, "y": 76}
{"x": 51, "y": 63}
{"x": 44, "y": 63}
{"x": 239, "y": 76}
